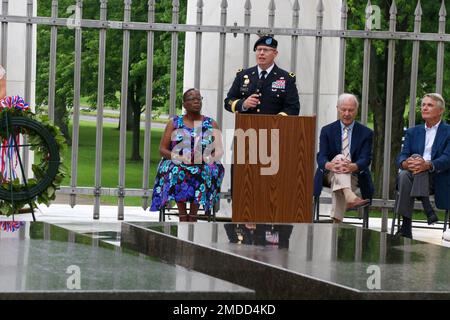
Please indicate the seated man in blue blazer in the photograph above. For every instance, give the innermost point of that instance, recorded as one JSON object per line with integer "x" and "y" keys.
{"x": 345, "y": 153}
{"x": 424, "y": 162}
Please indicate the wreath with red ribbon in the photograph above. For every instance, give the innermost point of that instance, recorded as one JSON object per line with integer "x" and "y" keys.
{"x": 20, "y": 130}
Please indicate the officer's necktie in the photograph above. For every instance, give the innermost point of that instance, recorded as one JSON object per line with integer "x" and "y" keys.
{"x": 345, "y": 143}
{"x": 260, "y": 83}
{"x": 263, "y": 75}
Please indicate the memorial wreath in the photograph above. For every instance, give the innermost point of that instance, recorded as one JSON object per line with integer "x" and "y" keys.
{"x": 21, "y": 130}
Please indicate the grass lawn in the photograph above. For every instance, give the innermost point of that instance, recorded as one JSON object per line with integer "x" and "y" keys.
{"x": 110, "y": 160}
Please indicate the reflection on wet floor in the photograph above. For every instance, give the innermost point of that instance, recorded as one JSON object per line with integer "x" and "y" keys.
{"x": 343, "y": 255}
{"x": 40, "y": 260}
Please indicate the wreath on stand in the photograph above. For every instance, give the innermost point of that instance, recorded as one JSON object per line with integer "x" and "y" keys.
{"x": 22, "y": 131}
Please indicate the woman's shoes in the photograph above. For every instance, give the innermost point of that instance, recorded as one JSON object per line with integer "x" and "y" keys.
{"x": 187, "y": 217}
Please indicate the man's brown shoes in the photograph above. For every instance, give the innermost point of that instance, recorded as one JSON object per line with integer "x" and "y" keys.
{"x": 358, "y": 203}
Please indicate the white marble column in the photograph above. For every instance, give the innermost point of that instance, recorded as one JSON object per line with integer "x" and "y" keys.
{"x": 15, "y": 64}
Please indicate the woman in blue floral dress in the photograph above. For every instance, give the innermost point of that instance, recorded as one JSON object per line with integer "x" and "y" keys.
{"x": 189, "y": 170}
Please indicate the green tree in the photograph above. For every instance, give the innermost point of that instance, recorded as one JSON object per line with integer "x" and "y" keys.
{"x": 113, "y": 69}
{"x": 402, "y": 74}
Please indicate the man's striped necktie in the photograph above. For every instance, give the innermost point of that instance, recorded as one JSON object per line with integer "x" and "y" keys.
{"x": 345, "y": 143}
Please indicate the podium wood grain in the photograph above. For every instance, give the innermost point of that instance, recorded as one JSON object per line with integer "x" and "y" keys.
{"x": 287, "y": 195}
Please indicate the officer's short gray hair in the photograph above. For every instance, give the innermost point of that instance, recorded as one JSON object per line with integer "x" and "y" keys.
{"x": 440, "y": 102}
{"x": 345, "y": 96}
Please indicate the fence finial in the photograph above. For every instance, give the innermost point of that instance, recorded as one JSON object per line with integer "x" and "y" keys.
{"x": 393, "y": 9}
{"x": 151, "y": 5}
{"x": 248, "y": 5}
{"x": 442, "y": 11}
{"x": 418, "y": 12}
{"x": 272, "y": 6}
{"x": 127, "y": 4}
{"x": 344, "y": 8}
{"x": 368, "y": 9}
{"x": 200, "y": 4}
{"x": 296, "y": 6}
{"x": 224, "y": 4}
{"x": 320, "y": 8}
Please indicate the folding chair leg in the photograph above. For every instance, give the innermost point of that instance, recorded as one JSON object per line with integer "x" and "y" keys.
{"x": 316, "y": 208}
{"x": 162, "y": 216}
{"x": 394, "y": 217}
{"x": 445, "y": 220}
{"x": 366, "y": 217}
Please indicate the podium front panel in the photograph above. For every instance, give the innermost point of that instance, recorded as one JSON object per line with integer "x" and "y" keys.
{"x": 266, "y": 191}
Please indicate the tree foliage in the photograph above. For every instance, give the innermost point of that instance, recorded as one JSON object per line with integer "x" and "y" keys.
{"x": 402, "y": 74}
{"x": 113, "y": 69}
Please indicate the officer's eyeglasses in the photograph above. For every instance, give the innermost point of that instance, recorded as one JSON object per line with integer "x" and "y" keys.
{"x": 264, "y": 50}
{"x": 194, "y": 99}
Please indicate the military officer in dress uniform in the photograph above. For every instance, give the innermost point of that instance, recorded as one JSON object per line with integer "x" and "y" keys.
{"x": 264, "y": 88}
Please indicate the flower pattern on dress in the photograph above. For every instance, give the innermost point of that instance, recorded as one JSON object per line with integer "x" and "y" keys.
{"x": 199, "y": 183}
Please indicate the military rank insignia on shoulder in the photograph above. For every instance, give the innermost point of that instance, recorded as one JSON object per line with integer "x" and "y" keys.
{"x": 292, "y": 74}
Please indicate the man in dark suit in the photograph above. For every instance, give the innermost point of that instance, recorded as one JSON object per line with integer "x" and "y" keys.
{"x": 425, "y": 164}
{"x": 345, "y": 153}
{"x": 264, "y": 88}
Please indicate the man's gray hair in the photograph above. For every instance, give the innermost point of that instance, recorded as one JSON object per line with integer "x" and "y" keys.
{"x": 345, "y": 96}
{"x": 440, "y": 102}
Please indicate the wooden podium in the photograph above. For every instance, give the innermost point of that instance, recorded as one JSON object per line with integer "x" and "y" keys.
{"x": 264, "y": 191}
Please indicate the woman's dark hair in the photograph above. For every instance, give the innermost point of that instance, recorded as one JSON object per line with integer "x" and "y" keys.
{"x": 187, "y": 91}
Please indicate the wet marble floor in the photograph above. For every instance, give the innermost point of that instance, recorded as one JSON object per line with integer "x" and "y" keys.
{"x": 300, "y": 260}
{"x": 40, "y": 260}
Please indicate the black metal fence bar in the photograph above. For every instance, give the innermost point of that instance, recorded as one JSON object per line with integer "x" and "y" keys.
{"x": 246, "y": 46}
{"x": 317, "y": 66}
{"x": 342, "y": 46}
{"x": 123, "y": 110}
{"x": 440, "y": 49}
{"x": 220, "y": 76}
{"x": 148, "y": 107}
{"x": 388, "y": 120}
{"x": 4, "y": 39}
{"x": 76, "y": 101}
{"x": 52, "y": 64}
{"x": 174, "y": 59}
{"x": 198, "y": 46}
{"x": 366, "y": 68}
{"x": 294, "y": 39}
{"x": 414, "y": 67}
{"x": 100, "y": 108}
